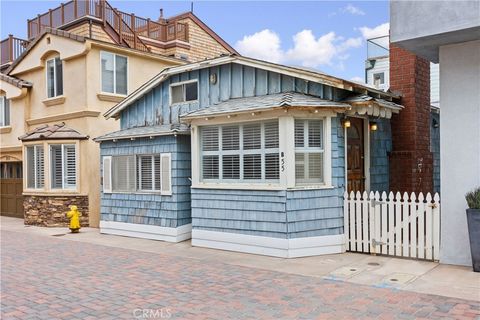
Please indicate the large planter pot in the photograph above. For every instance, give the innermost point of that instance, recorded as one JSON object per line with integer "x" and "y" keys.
{"x": 473, "y": 220}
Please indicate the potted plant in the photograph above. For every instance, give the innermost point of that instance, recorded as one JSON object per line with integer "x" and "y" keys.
{"x": 473, "y": 220}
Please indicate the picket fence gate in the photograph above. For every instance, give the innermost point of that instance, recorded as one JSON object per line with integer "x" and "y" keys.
{"x": 403, "y": 226}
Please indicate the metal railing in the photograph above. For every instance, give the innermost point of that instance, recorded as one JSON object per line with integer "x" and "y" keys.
{"x": 378, "y": 47}
{"x": 11, "y": 48}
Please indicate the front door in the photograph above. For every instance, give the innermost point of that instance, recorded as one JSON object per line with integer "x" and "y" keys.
{"x": 355, "y": 156}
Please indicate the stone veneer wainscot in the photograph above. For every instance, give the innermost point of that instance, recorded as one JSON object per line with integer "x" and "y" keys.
{"x": 50, "y": 211}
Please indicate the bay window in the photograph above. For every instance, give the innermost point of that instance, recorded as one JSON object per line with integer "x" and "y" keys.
{"x": 4, "y": 111}
{"x": 114, "y": 73}
{"x": 63, "y": 170}
{"x": 54, "y": 77}
{"x": 35, "y": 165}
{"x": 309, "y": 152}
{"x": 240, "y": 153}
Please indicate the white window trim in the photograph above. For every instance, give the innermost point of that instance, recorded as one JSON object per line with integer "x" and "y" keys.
{"x": 55, "y": 95}
{"x": 286, "y": 150}
{"x": 181, "y": 83}
{"x": 137, "y": 182}
{"x": 3, "y": 109}
{"x": 72, "y": 188}
{"x": 25, "y": 169}
{"x": 114, "y": 74}
{"x": 139, "y": 164}
{"x": 241, "y": 153}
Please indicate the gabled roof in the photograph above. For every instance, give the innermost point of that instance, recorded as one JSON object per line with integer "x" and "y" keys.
{"x": 19, "y": 83}
{"x": 32, "y": 44}
{"x": 205, "y": 28}
{"x": 54, "y": 132}
{"x": 302, "y": 73}
{"x": 265, "y": 102}
{"x": 142, "y": 132}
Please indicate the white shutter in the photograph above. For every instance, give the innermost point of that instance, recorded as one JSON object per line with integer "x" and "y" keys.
{"x": 156, "y": 172}
{"x": 145, "y": 173}
{"x": 70, "y": 166}
{"x": 107, "y": 174}
{"x": 40, "y": 167}
{"x": 56, "y": 166}
{"x": 166, "y": 173}
{"x": 252, "y": 136}
{"x": 30, "y": 159}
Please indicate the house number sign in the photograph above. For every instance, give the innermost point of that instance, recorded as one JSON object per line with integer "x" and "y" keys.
{"x": 282, "y": 156}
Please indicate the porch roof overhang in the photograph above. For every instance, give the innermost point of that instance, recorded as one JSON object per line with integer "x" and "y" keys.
{"x": 366, "y": 105}
{"x": 144, "y": 132}
{"x": 266, "y": 103}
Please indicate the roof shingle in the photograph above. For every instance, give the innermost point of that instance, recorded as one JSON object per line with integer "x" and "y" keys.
{"x": 54, "y": 132}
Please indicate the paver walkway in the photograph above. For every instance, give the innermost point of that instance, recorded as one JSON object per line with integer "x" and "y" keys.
{"x": 48, "y": 278}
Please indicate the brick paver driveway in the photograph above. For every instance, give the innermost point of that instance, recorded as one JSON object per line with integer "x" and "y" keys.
{"x": 50, "y": 278}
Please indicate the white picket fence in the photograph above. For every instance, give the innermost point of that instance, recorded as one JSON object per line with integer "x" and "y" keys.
{"x": 404, "y": 226}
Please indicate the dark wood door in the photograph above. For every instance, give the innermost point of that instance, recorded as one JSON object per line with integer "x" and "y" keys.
{"x": 355, "y": 156}
{"x": 11, "y": 188}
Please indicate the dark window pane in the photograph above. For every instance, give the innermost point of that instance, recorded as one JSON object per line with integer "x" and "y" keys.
{"x": 59, "y": 76}
{"x": 121, "y": 74}
{"x": 191, "y": 91}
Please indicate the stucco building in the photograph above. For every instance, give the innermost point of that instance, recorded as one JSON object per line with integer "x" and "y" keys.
{"x": 448, "y": 33}
{"x": 80, "y": 59}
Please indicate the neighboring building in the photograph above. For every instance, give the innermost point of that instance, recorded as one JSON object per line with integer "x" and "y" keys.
{"x": 70, "y": 75}
{"x": 377, "y": 68}
{"x": 378, "y": 74}
{"x": 448, "y": 33}
{"x": 251, "y": 155}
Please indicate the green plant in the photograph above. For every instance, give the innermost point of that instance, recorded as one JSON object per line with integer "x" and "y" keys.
{"x": 473, "y": 198}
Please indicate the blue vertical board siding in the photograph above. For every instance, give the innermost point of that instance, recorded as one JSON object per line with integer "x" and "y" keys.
{"x": 380, "y": 146}
{"x": 233, "y": 81}
{"x": 151, "y": 208}
{"x": 435, "y": 148}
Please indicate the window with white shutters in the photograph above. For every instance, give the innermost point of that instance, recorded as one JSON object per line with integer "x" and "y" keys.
{"x": 309, "y": 152}
{"x": 63, "y": 170}
{"x": 184, "y": 92}
{"x": 141, "y": 173}
{"x": 245, "y": 153}
{"x": 35, "y": 167}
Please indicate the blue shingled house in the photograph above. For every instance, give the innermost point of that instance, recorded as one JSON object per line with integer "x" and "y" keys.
{"x": 244, "y": 155}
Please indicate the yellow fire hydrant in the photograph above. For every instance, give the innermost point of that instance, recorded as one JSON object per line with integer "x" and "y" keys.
{"x": 74, "y": 217}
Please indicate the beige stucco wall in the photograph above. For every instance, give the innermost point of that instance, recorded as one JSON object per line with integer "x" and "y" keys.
{"x": 81, "y": 107}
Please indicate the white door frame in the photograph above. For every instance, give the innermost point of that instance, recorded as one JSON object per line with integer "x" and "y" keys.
{"x": 366, "y": 151}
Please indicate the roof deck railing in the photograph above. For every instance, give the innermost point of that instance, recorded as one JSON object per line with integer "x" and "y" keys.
{"x": 378, "y": 47}
{"x": 11, "y": 48}
{"x": 130, "y": 28}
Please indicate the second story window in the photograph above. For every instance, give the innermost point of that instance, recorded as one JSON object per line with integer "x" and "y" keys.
{"x": 54, "y": 77}
{"x": 4, "y": 112}
{"x": 184, "y": 92}
{"x": 114, "y": 73}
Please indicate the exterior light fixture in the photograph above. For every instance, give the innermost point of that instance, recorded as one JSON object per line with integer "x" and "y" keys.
{"x": 373, "y": 126}
{"x": 316, "y": 111}
{"x": 253, "y": 113}
{"x": 346, "y": 123}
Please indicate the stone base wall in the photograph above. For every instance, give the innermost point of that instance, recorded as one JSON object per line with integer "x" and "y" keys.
{"x": 50, "y": 211}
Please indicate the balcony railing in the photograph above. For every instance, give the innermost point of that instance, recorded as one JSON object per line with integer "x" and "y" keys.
{"x": 11, "y": 48}
{"x": 128, "y": 26}
{"x": 378, "y": 47}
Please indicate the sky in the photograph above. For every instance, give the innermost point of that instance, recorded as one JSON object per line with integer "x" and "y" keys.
{"x": 329, "y": 36}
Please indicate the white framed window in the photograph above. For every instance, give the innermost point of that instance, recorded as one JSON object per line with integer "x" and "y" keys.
{"x": 240, "y": 153}
{"x": 141, "y": 173}
{"x": 54, "y": 77}
{"x": 184, "y": 92}
{"x": 4, "y": 111}
{"x": 35, "y": 165}
{"x": 378, "y": 79}
{"x": 114, "y": 72}
{"x": 63, "y": 166}
{"x": 309, "y": 152}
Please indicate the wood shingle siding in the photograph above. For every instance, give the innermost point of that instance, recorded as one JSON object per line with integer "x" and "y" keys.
{"x": 152, "y": 208}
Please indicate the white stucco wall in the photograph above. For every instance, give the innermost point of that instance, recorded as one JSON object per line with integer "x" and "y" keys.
{"x": 459, "y": 144}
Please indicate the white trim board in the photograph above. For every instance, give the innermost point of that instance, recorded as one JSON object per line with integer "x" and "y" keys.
{"x": 144, "y": 231}
{"x": 277, "y": 247}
